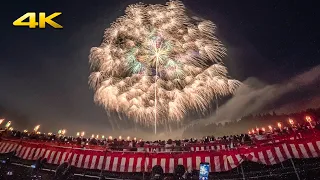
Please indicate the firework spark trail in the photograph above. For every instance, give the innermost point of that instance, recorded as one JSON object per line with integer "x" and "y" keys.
{"x": 162, "y": 44}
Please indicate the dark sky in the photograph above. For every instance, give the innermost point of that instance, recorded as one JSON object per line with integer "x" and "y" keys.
{"x": 43, "y": 72}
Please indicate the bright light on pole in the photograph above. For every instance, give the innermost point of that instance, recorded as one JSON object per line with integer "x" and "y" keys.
{"x": 270, "y": 128}
{"x": 36, "y": 128}
{"x": 279, "y": 125}
{"x": 8, "y": 124}
{"x": 291, "y": 121}
{"x": 1, "y": 121}
{"x": 309, "y": 120}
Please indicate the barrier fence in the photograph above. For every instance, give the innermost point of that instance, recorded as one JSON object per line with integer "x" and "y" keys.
{"x": 222, "y": 160}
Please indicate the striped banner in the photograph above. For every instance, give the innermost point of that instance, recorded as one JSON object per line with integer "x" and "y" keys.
{"x": 223, "y": 160}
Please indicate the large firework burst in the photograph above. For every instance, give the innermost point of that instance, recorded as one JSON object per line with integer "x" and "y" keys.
{"x": 158, "y": 61}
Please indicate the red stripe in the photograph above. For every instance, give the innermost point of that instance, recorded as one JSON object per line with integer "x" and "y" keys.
{"x": 274, "y": 155}
{"x": 221, "y": 162}
{"x": 314, "y": 143}
{"x": 298, "y": 150}
{"x": 126, "y": 165}
{"x": 111, "y": 163}
{"x": 97, "y": 162}
{"x": 194, "y": 165}
{"x": 308, "y": 151}
{"x": 83, "y": 160}
{"x": 134, "y": 166}
{"x": 167, "y": 164}
{"x": 266, "y": 158}
{"x": 119, "y": 163}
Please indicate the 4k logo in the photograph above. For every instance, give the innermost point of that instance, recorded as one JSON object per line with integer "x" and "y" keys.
{"x": 43, "y": 20}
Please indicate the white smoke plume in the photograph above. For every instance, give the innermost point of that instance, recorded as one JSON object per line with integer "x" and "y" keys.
{"x": 253, "y": 96}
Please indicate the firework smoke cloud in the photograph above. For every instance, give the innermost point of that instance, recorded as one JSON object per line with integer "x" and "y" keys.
{"x": 157, "y": 59}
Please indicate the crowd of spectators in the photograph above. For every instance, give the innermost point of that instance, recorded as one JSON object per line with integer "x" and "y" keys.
{"x": 233, "y": 141}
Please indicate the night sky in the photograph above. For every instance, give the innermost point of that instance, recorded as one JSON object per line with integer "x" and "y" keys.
{"x": 44, "y": 72}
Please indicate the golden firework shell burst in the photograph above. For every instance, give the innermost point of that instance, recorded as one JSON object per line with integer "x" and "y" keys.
{"x": 158, "y": 54}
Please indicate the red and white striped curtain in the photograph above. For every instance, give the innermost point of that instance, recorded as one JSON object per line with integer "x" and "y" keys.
{"x": 223, "y": 160}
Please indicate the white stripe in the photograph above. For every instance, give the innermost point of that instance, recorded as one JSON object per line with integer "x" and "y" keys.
{"x": 279, "y": 154}
{"x": 285, "y": 148}
{"x": 217, "y": 163}
{"x": 130, "y": 167}
{"x": 31, "y": 154}
{"x": 271, "y": 157}
{"x": 225, "y": 162}
{"x": 303, "y": 151}
{"x": 10, "y": 148}
{"x": 123, "y": 164}
{"x": 180, "y": 161}
{"x": 198, "y": 161}
{"x": 294, "y": 151}
{"x": 189, "y": 163}
{"x": 73, "y": 162}
{"x": 18, "y": 150}
{"x": 86, "y": 161}
{"x": 108, "y": 160}
{"x": 163, "y": 164}
{"x": 93, "y": 162}
{"x": 21, "y": 152}
{"x": 313, "y": 151}
{"x": 261, "y": 157}
{"x": 52, "y": 156}
{"x": 14, "y": 147}
{"x": 47, "y": 154}
{"x": 231, "y": 161}
{"x": 41, "y": 153}
{"x": 115, "y": 163}
{"x": 154, "y": 162}
{"x": 318, "y": 144}
{"x": 2, "y": 144}
{"x": 80, "y": 161}
{"x": 171, "y": 165}
{"x": 25, "y": 156}
{"x": 37, "y": 153}
{"x": 239, "y": 158}
{"x": 138, "y": 167}
{"x": 5, "y": 148}
{"x": 146, "y": 164}
{"x": 100, "y": 162}
{"x": 254, "y": 158}
{"x": 207, "y": 160}
{"x": 63, "y": 157}
{"x": 57, "y": 158}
